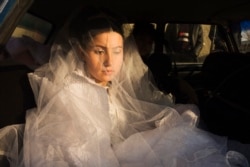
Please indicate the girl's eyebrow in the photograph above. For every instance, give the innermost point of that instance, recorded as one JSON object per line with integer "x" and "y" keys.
{"x": 98, "y": 46}
{"x": 104, "y": 47}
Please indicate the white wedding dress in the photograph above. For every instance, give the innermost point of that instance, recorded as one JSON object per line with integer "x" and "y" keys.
{"x": 78, "y": 123}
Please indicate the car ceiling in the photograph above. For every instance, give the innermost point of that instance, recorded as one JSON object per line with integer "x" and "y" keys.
{"x": 57, "y": 11}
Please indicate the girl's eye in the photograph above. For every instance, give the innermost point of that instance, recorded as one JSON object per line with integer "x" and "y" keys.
{"x": 99, "y": 51}
{"x": 117, "y": 50}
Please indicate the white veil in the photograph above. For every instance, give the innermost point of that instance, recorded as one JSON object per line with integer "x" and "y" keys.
{"x": 130, "y": 123}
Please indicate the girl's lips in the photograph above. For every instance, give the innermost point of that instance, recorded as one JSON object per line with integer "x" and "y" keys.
{"x": 108, "y": 72}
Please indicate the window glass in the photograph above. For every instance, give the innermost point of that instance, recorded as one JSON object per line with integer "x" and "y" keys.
{"x": 34, "y": 27}
{"x": 5, "y": 7}
{"x": 11, "y": 11}
{"x": 144, "y": 36}
{"x": 245, "y": 36}
{"x": 128, "y": 28}
{"x": 192, "y": 42}
{"x": 189, "y": 43}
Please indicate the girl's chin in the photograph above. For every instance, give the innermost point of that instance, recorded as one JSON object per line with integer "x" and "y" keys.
{"x": 105, "y": 80}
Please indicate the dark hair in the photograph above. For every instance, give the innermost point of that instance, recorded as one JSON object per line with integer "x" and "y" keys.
{"x": 144, "y": 28}
{"x": 92, "y": 21}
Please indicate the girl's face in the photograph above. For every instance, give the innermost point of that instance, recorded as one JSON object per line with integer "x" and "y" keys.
{"x": 104, "y": 57}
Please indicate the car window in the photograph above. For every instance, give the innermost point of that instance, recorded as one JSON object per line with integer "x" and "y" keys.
{"x": 211, "y": 38}
{"x": 34, "y": 27}
{"x": 11, "y": 12}
{"x": 244, "y": 36}
{"x": 128, "y": 28}
{"x": 193, "y": 42}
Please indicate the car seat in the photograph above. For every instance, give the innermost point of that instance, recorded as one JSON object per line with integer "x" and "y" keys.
{"x": 225, "y": 106}
{"x": 16, "y": 95}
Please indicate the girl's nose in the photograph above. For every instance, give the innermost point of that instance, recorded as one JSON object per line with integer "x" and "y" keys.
{"x": 108, "y": 59}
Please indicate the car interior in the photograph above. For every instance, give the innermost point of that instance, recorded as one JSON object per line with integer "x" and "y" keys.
{"x": 218, "y": 76}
